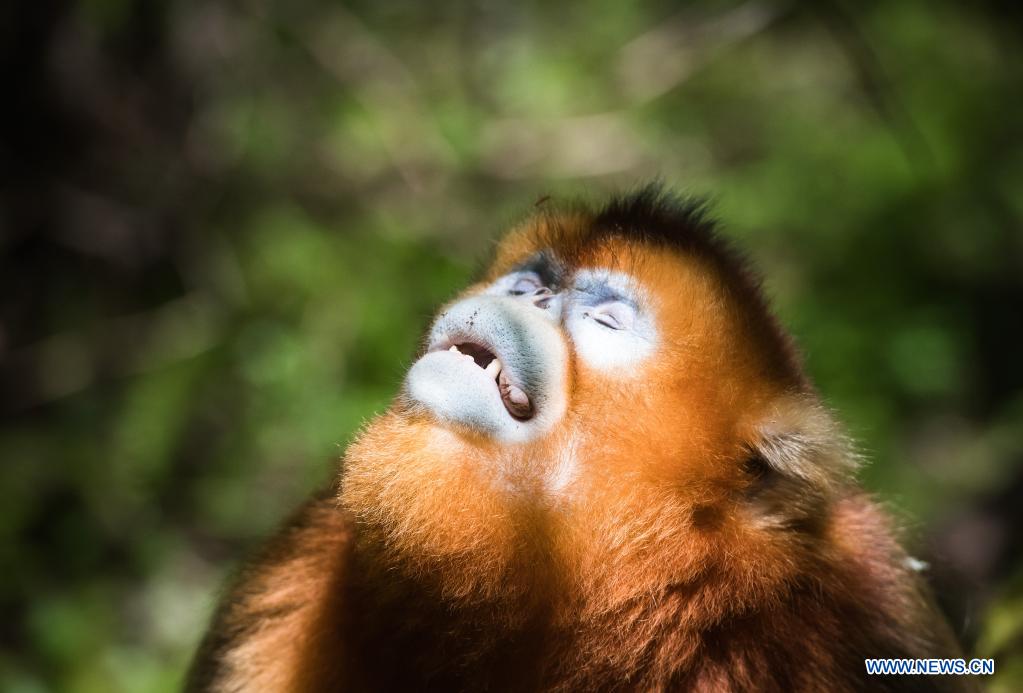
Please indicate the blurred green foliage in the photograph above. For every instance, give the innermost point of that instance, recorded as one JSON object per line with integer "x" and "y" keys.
{"x": 225, "y": 226}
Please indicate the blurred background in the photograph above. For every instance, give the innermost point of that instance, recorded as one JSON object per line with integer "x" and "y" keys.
{"x": 225, "y": 224}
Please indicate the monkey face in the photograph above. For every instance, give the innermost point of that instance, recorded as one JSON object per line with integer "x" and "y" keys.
{"x": 498, "y": 360}
{"x": 629, "y": 352}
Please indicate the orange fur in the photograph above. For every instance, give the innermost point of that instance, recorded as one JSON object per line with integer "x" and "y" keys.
{"x": 690, "y": 524}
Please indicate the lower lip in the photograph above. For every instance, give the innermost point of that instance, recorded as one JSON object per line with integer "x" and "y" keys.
{"x": 469, "y": 362}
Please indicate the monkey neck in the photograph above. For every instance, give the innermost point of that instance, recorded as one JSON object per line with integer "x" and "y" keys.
{"x": 535, "y": 623}
{"x": 428, "y": 626}
{"x": 450, "y": 573}
{"x": 456, "y": 582}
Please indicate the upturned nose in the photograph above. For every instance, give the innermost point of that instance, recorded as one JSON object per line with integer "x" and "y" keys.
{"x": 542, "y": 297}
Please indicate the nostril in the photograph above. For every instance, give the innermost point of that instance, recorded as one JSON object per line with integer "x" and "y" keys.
{"x": 542, "y": 297}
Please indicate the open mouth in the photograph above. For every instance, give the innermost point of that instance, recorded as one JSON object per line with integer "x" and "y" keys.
{"x": 514, "y": 397}
{"x": 493, "y": 366}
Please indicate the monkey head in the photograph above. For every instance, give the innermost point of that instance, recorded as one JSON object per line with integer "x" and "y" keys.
{"x": 612, "y": 393}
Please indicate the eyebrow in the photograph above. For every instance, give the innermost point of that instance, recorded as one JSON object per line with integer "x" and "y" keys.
{"x": 546, "y": 266}
{"x": 600, "y": 291}
{"x": 552, "y": 272}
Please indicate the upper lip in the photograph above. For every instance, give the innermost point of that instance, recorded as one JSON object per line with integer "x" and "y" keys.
{"x": 486, "y": 356}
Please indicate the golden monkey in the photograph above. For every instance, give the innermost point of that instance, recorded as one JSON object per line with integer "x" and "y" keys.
{"x": 607, "y": 470}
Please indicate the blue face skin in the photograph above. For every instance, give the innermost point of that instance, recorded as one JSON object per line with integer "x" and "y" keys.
{"x": 594, "y": 289}
{"x": 497, "y": 361}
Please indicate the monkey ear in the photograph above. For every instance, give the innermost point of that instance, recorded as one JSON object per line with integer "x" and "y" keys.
{"x": 799, "y": 439}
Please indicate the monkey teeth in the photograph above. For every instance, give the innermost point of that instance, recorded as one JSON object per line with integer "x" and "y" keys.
{"x": 516, "y": 401}
{"x": 493, "y": 368}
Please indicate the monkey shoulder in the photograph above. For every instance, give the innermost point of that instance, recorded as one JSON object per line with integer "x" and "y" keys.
{"x": 286, "y": 597}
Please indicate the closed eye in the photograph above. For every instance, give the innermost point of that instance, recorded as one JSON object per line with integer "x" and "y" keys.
{"x": 524, "y": 285}
{"x": 614, "y": 315}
